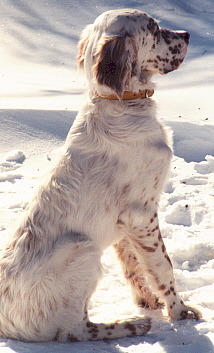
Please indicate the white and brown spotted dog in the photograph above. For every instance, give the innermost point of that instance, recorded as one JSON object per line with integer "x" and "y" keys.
{"x": 103, "y": 191}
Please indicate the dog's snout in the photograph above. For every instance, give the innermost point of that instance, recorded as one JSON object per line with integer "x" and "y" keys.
{"x": 185, "y": 36}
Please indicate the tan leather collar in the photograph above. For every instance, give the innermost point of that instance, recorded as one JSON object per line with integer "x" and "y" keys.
{"x": 147, "y": 93}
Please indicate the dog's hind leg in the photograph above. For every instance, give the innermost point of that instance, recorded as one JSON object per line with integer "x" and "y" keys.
{"x": 82, "y": 275}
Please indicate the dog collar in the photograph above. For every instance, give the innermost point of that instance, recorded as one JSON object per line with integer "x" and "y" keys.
{"x": 127, "y": 95}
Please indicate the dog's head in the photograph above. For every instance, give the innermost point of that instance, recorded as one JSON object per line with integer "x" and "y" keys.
{"x": 123, "y": 49}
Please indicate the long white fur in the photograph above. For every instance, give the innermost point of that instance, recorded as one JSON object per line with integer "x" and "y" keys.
{"x": 104, "y": 189}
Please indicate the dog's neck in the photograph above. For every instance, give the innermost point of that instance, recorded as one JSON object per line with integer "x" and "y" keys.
{"x": 128, "y": 95}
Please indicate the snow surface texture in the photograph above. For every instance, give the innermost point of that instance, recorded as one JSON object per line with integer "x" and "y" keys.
{"x": 40, "y": 94}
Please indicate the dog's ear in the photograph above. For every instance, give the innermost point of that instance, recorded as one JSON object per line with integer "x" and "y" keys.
{"x": 112, "y": 66}
{"x": 83, "y": 45}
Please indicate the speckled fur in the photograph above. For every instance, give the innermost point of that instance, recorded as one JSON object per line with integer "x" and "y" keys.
{"x": 103, "y": 191}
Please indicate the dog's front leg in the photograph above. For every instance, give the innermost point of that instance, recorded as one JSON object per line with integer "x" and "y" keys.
{"x": 144, "y": 236}
{"x": 135, "y": 275}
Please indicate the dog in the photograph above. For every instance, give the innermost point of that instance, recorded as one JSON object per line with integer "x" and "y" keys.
{"x": 104, "y": 190}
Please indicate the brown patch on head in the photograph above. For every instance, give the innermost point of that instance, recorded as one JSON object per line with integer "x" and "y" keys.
{"x": 152, "y": 26}
{"x": 175, "y": 50}
{"x": 166, "y": 36}
{"x": 111, "y": 63}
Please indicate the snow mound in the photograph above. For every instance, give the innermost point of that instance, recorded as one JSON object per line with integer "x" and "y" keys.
{"x": 192, "y": 141}
{"x": 15, "y": 156}
{"x": 205, "y": 167}
{"x": 186, "y": 214}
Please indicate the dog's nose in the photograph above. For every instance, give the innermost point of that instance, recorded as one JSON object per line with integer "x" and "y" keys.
{"x": 185, "y": 36}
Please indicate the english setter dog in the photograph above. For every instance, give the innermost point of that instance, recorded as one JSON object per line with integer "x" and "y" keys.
{"x": 103, "y": 191}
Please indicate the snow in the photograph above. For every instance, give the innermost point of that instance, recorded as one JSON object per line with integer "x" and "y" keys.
{"x": 40, "y": 94}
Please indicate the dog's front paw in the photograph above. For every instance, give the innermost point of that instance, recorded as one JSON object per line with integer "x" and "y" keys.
{"x": 185, "y": 312}
{"x": 190, "y": 313}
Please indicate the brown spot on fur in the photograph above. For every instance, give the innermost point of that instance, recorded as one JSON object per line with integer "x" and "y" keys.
{"x": 154, "y": 229}
{"x": 165, "y": 37}
{"x": 148, "y": 248}
{"x": 94, "y": 335}
{"x": 167, "y": 293}
{"x": 120, "y": 222}
{"x": 162, "y": 287}
{"x": 89, "y": 324}
{"x": 110, "y": 327}
{"x": 168, "y": 259}
{"x": 131, "y": 328}
{"x": 174, "y": 50}
{"x": 65, "y": 302}
{"x": 72, "y": 338}
{"x": 126, "y": 189}
{"x": 56, "y": 336}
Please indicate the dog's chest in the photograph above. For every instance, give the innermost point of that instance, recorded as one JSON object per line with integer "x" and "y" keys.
{"x": 135, "y": 172}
